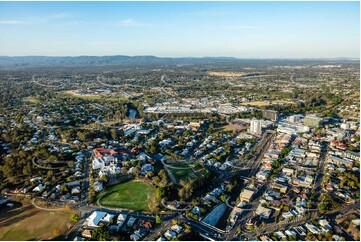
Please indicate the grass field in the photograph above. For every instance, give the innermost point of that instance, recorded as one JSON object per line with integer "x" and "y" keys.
{"x": 226, "y": 74}
{"x": 232, "y": 127}
{"x": 183, "y": 174}
{"x": 92, "y": 97}
{"x": 257, "y": 103}
{"x": 133, "y": 195}
{"x": 33, "y": 100}
{"x": 266, "y": 103}
{"x": 29, "y": 223}
{"x": 283, "y": 102}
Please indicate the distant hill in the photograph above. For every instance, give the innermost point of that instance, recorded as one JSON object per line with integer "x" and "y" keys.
{"x": 102, "y": 60}
{"x": 47, "y": 61}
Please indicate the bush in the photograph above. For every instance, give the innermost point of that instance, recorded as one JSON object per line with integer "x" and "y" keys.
{"x": 74, "y": 217}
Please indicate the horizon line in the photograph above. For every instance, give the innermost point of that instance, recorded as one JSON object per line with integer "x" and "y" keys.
{"x": 181, "y": 57}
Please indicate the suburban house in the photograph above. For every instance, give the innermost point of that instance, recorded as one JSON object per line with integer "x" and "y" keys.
{"x": 146, "y": 168}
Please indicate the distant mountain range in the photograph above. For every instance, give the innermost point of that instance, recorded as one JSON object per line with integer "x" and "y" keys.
{"x": 43, "y": 61}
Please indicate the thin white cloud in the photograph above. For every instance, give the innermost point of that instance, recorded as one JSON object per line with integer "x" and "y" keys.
{"x": 14, "y": 22}
{"x": 59, "y": 16}
{"x": 241, "y": 27}
{"x": 126, "y": 22}
{"x": 130, "y": 23}
{"x": 36, "y": 20}
{"x": 207, "y": 13}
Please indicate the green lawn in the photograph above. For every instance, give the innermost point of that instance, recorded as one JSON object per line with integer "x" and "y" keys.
{"x": 185, "y": 174}
{"x": 91, "y": 97}
{"x": 30, "y": 223}
{"x": 133, "y": 195}
{"x": 33, "y": 100}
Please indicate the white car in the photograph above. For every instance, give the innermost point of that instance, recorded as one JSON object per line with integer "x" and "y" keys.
{"x": 10, "y": 205}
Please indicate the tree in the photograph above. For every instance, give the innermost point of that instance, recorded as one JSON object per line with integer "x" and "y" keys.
{"x": 159, "y": 193}
{"x": 328, "y": 235}
{"x": 187, "y": 189}
{"x": 63, "y": 188}
{"x": 157, "y": 219}
{"x": 323, "y": 207}
{"x": 71, "y": 164}
{"x": 250, "y": 227}
{"x": 136, "y": 170}
{"x": 114, "y": 134}
{"x": 292, "y": 238}
{"x": 195, "y": 202}
{"x": 285, "y": 151}
{"x": 162, "y": 173}
{"x": 74, "y": 217}
{"x": 188, "y": 228}
{"x": 100, "y": 234}
{"x": 104, "y": 178}
{"x": 50, "y": 174}
{"x": 156, "y": 180}
{"x": 124, "y": 170}
{"x": 150, "y": 174}
{"x": 153, "y": 204}
{"x": 230, "y": 188}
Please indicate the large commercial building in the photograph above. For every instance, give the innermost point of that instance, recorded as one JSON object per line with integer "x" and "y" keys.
{"x": 256, "y": 126}
{"x": 312, "y": 121}
{"x": 295, "y": 118}
{"x": 270, "y": 114}
{"x": 264, "y": 213}
{"x": 246, "y": 195}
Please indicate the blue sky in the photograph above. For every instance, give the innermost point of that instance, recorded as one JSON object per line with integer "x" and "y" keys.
{"x": 179, "y": 29}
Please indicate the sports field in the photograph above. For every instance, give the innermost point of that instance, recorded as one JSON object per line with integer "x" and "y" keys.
{"x": 29, "y": 223}
{"x": 183, "y": 171}
{"x": 184, "y": 174}
{"x": 133, "y": 195}
{"x": 90, "y": 97}
{"x": 32, "y": 100}
{"x": 270, "y": 102}
{"x": 257, "y": 103}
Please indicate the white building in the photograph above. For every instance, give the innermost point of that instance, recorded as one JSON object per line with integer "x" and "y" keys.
{"x": 98, "y": 186}
{"x": 98, "y": 216}
{"x": 295, "y": 118}
{"x": 256, "y": 126}
{"x": 101, "y": 162}
{"x": 287, "y": 130}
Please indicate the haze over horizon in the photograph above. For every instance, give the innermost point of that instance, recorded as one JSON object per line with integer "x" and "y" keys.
{"x": 182, "y": 57}
{"x": 181, "y": 29}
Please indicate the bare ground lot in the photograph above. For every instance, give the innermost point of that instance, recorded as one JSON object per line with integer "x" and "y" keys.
{"x": 29, "y": 223}
{"x": 226, "y": 74}
{"x": 268, "y": 102}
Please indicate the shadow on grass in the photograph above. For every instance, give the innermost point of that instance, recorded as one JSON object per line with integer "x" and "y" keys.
{"x": 60, "y": 237}
{"x": 10, "y": 221}
{"x": 7, "y": 212}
